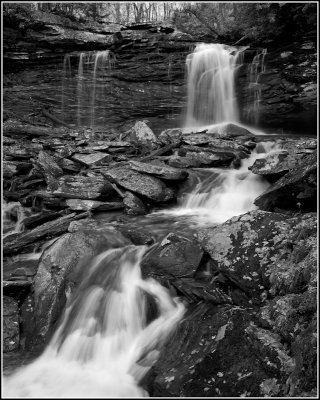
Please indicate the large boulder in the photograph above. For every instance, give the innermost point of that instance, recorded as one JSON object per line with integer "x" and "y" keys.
{"x": 260, "y": 252}
{"x": 174, "y": 256}
{"x": 143, "y": 135}
{"x": 218, "y": 352}
{"x": 57, "y": 273}
{"x": 230, "y": 130}
{"x": 296, "y": 190}
{"x": 145, "y": 185}
{"x": 11, "y": 335}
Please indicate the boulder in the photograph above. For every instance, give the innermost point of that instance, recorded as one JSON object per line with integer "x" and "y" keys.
{"x": 171, "y": 135}
{"x": 174, "y": 256}
{"x": 274, "y": 165}
{"x": 147, "y": 186}
{"x": 231, "y": 130}
{"x": 143, "y": 135}
{"x": 296, "y": 190}
{"x": 57, "y": 273}
{"x": 49, "y": 167}
{"x": 81, "y": 187}
{"x": 217, "y": 352}
{"x": 133, "y": 204}
{"x": 160, "y": 171}
{"x": 259, "y": 251}
{"x": 11, "y": 335}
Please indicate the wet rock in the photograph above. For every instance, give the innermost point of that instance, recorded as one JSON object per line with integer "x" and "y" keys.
{"x": 174, "y": 256}
{"x": 231, "y": 130}
{"x": 92, "y": 159}
{"x": 160, "y": 171}
{"x": 22, "y": 151}
{"x": 57, "y": 274}
{"x": 274, "y": 165}
{"x": 213, "y": 354}
{"x": 256, "y": 250}
{"x": 183, "y": 162}
{"x": 143, "y": 135}
{"x": 17, "y": 242}
{"x": 142, "y": 184}
{"x": 296, "y": 190}
{"x": 92, "y": 205}
{"x": 81, "y": 187}
{"x": 171, "y": 135}
{"x": 11, "y": 168}
{"x": 133, "y": 204}
{"x": 11, "y": 336}
{"x": 207, "y": 159}
{"x": 25, "y": 268}
{"x": 34, "y": 220}
{"x": 50, "y": 168}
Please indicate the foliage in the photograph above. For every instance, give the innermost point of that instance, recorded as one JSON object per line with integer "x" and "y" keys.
{"x": 246, "y": 22}
{"x": 106, "y": 12}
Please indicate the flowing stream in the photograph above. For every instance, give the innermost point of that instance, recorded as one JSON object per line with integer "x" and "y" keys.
{"x": 105, "y": 344}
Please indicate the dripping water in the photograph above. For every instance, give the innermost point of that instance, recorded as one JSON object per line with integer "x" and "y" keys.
{"x": 255, "y": 69}
{"x": 84, "y": 88}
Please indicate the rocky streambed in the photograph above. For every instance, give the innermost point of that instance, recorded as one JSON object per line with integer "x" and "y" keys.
{"x": 249, "y": 284}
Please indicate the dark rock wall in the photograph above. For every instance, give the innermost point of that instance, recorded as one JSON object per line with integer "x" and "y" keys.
{"x": 148, "y": 75}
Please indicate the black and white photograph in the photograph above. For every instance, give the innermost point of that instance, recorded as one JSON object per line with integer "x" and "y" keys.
{"x": 159, "y": 199}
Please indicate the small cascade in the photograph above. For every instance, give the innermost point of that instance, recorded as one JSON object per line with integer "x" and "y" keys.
{"x": 222, "y": 194}
{"x": 104, "y": 344}
{"x": 66, "y": 75}
{"x": 12, "y": 217}
{"x": 211, "y": 91}
{"x": 84, "y": 84}
{"x": 255, "y": 69}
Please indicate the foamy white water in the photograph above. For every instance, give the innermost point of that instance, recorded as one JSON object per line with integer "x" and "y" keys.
{"x": 103, "y": 346}
{"x": 211, "y": 92}
{"x": 226, "y": 193}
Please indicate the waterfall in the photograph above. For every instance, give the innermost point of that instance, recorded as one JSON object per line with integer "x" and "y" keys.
{"x": 104, "y": 344}
{"x": 211, "y": 92}
{"x": 66, "y": 75}
{"x": 224, "y": 193}
{"x": 255, "y": 69}
{"x": 84, "y": 88}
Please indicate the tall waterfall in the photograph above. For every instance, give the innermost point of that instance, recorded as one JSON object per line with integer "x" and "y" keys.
{"x": 104, "y": 344}
{"x": 255, "y": 69}
{"x": 211, "y": 91}
{"x": 83, "y": 87}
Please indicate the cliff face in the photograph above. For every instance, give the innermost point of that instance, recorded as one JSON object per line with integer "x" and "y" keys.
{"x": 147, "y": 77}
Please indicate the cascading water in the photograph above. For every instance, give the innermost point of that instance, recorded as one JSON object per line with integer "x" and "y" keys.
{"x": 85, "y": 89}
{"x": 223, "y": 194}
{"x": 211, "y": 92}
{"x": 12, "y": 216}
{"x": 104, "y": 345}
{"x": 255, "y": 69}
